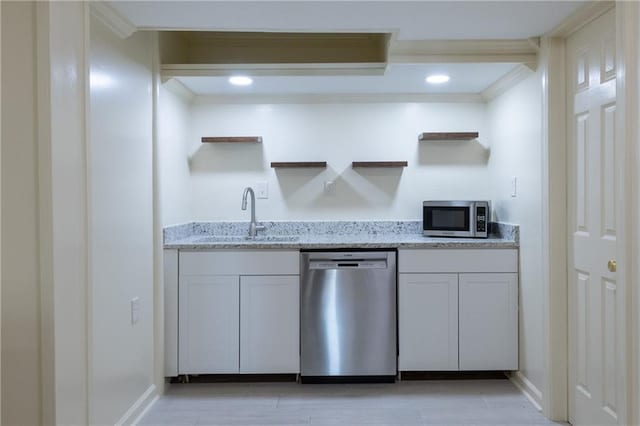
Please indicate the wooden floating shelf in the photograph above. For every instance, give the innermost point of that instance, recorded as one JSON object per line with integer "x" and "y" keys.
{"x": 438, "y": 136}
{"x": 299, "y": 164}
{"x": 234, "y": 139}
{"x": 379, "y": 164}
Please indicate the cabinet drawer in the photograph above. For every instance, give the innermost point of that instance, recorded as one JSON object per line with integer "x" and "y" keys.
{"x": 240, "y": 262}
{"x": 457, "y": 260}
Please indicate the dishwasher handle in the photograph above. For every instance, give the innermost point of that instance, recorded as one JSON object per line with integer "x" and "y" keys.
{"x": 328, "y": 264}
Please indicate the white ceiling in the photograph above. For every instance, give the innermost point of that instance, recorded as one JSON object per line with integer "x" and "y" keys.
{"x": 413, "y": 20}
{"x": 409, "y": 20}
{"x": 398, "y": 79}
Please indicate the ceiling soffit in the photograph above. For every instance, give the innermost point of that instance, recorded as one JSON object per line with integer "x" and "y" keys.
{"x": 206, "y": 53}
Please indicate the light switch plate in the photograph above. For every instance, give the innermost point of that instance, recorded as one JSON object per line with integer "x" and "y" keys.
{"x": 262, "y": 189}
{"x": 514, "y": 186}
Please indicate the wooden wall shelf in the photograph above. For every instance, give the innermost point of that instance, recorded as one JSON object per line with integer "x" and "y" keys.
{"x": 234, "y": 139}
{"x": 299, "y": 164}
{"x": 454, "y": 136}
{"x": 379, "y": 164}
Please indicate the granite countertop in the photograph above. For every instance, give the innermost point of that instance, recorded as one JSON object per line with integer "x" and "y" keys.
{"x": 326, "y": 235}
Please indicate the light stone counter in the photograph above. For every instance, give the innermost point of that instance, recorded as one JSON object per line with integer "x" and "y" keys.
{"x": 326, "y": 235}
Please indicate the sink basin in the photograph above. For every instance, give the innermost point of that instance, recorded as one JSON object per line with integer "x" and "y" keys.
{"x": 247, "y": 239}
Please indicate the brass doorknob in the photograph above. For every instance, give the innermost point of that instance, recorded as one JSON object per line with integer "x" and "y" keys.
{"x": 612, "y": 265}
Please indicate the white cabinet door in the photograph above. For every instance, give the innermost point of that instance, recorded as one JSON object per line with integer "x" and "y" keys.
{"x": 488, "y": 321}
{"x": 270, "y": 324}
{"x": 428, "y": 322}
{"x": 208, "y": 324}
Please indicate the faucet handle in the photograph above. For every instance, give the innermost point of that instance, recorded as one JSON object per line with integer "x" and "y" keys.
{"x": 260, "y": 227}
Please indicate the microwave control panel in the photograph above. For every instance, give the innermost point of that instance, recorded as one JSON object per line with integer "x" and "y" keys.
{"x": 481, "y": 219}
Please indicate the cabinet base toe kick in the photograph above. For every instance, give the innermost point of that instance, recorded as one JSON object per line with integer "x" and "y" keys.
{"x": 454, "y": 375}
{"x": 232, "y": 378}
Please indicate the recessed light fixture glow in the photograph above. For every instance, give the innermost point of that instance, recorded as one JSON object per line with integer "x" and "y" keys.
{"x": 240, "y": 80}
{"x": 437, "y": 79}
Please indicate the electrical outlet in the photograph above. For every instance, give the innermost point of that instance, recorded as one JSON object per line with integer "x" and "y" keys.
{"x": 262, "y": 189}
{"x": 330, "y": 187}
{"x": 514, "y": 186}
{"x": 135, "y": 310}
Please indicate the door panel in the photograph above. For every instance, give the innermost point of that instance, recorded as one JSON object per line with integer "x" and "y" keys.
{"x": 428, "y": 322}
{"x": 593, "y": 299}
{"x": 269, "y": 324}
{"x": 488, "y": 308}
{"x": 209, "y": 309}
{"x": 583, "y": 350}
{"x": 607, "y": 161}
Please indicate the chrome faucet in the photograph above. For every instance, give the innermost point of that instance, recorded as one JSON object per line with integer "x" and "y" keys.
{"x": 253, "y": 226}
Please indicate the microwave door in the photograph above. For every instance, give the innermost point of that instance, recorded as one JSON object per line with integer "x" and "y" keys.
{"x": 453, "y": 221}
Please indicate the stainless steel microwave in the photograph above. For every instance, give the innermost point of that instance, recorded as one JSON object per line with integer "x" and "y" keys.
{"x": 455, "y": 219}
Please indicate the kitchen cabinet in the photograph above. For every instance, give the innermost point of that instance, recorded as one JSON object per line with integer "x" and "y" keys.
{"x": 428, "y": 322}
{"x": 458, "y": 309}
{"x": 488, "y": 321}
{"x": 269, "y": 324}
{"x": 209, "y": 326}
{"x": 238, "y": 312}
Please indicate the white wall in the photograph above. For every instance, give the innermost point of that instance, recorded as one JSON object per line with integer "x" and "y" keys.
{"x": 21, "y": 398}
{"x": 174, "y": 119}
{"x": 339, "y": 134}
{"x": 120, "y": 223}
{"x": 515, "y": 120}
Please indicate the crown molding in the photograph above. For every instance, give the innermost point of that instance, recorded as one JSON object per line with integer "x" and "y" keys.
{"x": 580, "y": 18}
{"x": 506, "y": 82}
{"x": 179, "y": 89}
{"x": 112, "y": 18}
{"x": 456, "y": 51}
{"x": 352, "y": 98}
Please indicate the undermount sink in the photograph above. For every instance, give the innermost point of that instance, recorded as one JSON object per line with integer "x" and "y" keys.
{"x": 246, "y": 238}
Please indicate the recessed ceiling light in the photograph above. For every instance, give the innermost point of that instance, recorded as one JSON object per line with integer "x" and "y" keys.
{"x": 240, "y": 80}
{"x": 437, "y": 79}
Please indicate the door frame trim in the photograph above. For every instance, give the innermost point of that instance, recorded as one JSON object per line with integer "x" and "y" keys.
{"x": 627, "y": 143}
{"x": 554, "y": 229}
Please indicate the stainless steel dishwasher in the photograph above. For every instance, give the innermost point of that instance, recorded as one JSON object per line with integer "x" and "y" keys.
{"x": 348, "y": 316}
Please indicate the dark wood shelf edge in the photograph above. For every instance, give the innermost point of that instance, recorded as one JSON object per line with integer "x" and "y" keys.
{"x": 234, "y": 139}
{"x": 448, "y": 136}
{"x": 379, "y": 164}
{"x": 298, "y": 164}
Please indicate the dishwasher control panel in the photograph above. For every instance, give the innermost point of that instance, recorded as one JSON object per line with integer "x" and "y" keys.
{"x": 351, "y": 263}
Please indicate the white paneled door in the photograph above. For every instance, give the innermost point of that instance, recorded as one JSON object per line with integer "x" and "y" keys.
{"x": 594, "y": 302}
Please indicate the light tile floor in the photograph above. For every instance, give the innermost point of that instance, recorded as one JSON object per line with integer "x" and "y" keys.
{"x": 496, "y": 402}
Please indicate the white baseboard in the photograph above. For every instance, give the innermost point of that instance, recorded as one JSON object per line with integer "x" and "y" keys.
{"x": 529, "y": 390}
{"x": 140, "y": 407}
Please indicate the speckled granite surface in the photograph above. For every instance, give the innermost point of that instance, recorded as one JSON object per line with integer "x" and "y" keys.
{"x": 326, "y": 235}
